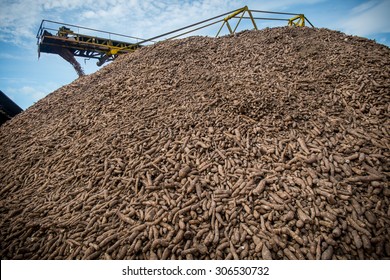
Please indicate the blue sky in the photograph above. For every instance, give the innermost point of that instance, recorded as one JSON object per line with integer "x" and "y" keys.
{"x": 25, "y": 79}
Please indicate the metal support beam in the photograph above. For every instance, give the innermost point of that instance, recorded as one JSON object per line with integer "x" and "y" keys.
{"x": 105, "y": 48}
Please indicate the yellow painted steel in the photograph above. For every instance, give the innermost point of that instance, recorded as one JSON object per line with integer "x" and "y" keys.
{"x": 239, "y": 11}
{"x": 233, "y": 15}
{"x": 298, "y": 20}
{"x": 252, "y": 19}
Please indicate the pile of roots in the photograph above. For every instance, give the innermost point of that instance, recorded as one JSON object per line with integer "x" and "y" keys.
{"x": 270, "y": 144}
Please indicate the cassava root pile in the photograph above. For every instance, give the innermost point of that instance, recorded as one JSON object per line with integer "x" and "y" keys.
{"x": 264, "y": 145}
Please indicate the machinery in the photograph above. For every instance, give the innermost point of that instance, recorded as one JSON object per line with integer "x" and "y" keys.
{"x": 68, "y": 43}
{"x": 8, "y": 108}
{"x": 70, "y": 40}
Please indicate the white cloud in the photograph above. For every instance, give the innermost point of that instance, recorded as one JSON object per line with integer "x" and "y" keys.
{"x": 364, "y": 7}
{"x": 25, "y": 95}
{"x": 9, "y": 56}
{"x": 368, "y": 18}
{"x": 20, "y": 19}
{"x": 40, "y": 91}
{"x": 281, "y": 5}
{"x": 32, "y": 92}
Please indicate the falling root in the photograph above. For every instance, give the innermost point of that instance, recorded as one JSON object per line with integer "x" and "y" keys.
{"x": 68, "y": 56}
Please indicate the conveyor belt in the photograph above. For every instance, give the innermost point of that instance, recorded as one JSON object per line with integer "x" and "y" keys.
{"x": 102, "y": 46}
{"x": 71, "y": 40}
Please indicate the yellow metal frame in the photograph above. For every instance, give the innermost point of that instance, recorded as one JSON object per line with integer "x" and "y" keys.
{"x": 241, "y": 11}
{"x": 298, "y": 20}
{"x": 104, "y": 49}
